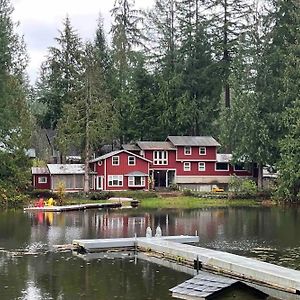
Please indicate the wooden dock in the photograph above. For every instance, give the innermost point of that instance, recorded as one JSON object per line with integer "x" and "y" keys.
{"x": 227, "y": 264}
{"x": 73, "y": 207}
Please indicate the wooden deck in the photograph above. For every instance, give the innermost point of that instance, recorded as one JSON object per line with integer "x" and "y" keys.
{"x": 73, "y": 207}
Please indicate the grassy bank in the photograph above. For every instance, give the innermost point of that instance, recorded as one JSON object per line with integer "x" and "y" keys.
{"x": 187, "y": 202}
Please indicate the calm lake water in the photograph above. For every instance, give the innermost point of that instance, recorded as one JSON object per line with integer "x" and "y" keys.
{"x": 30, "y": 269}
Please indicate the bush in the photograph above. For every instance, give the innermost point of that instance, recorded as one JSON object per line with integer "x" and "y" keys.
{"x": 187, "y": 193}
{"x": 241, "y": 187}
{"x": 41, "y": 194}
{"x": 101, "y": 195}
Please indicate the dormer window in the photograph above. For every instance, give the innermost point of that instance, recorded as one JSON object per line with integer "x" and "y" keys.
{"x": 115, "y": 160}
{"x": 187, "y": 150}
{"x": 202, "y": 150}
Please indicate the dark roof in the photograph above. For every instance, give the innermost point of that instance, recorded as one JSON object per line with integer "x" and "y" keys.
{"x": 193, "y": 140}
{"x": 207, "y": 286}
{"x": 155, "y": 145}
{"x": 131, "y": 147}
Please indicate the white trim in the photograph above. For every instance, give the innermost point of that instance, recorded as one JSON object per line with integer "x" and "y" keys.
{"x": 202, "y": 147}
{"x": 198, "y": 159}
{"x": 97, "y": 183}
{"x": 244, "y": 170}
{"x": 217, "y": 162}
{"x": 186, "y": 166}
{"x": 134, "y": 160}
{"x": 105, "y": 176}
{"x": 112, "y": 160}
{"x": 112, "y": 179}
{"x": 201, "y": 163}
{"x": 165, "y": 158}
{"x": 187, "y": 152}
{"x": 42, "y": 182}
{"x": 132, "y": 178}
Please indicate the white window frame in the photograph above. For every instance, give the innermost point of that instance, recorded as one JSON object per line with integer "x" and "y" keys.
{"x": 236, "y": 170}
{"x": 222, "y": 170}
{"x": 99, "y": 187}
{"x": 200, "y": 150}
{"x": 132, "y": 183}
{"x": 42, "y": 180}
{"x": 186, "y": 166}
{"x": 133, "y": 162}
{"x": 160, "y": 157}
{"x": 118, "y": 160}
{"x": 187, "y": 150}
{"x": 118, "y": 178}
{"x": 201, "y": 166}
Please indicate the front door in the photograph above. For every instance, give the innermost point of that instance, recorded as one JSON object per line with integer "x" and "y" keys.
{"x": 160, "y": 178}
{"x": 99, "y": 183}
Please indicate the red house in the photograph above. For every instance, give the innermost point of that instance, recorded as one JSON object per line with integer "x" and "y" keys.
{"x": 120, "y": 170}
{"x": 190, "y": 162}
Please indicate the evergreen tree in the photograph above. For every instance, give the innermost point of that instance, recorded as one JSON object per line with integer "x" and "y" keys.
{"x": 227, "y": 22}
{"x": 126, "y": 36}
{"x": 87, "y": 122}
{"x": 60, "y": 75}
{"x": 14, "y": 115}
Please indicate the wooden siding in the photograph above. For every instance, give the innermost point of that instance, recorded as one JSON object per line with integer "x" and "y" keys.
{"x": 107, "y": 169}
{"x": 211, "y": 153}
{"x": 41, "y": 186}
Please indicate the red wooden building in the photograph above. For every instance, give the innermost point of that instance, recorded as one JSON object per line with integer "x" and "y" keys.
{"x": 120, "y": 170}
{"x": 190, "y": 162}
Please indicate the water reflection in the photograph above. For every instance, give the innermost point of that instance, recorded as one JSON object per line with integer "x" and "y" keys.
{"x": 269, "y": 234}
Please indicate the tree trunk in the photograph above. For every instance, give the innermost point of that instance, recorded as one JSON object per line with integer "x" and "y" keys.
{"x": 86, "y": 186}
{"x": 260, "y": 176}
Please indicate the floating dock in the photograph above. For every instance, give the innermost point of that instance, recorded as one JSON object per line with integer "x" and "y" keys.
{"x": 227, "y": 264}
{"x": 95, "y": 245}
{"x": 73, "y": 207}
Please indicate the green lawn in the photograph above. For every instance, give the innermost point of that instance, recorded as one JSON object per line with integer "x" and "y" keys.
{"x": 186, "y": 202}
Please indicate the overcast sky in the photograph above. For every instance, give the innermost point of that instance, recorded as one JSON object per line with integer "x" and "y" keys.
{"x": 40, "y": 21}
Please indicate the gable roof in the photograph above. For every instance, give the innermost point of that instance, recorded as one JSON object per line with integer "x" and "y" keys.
{"x": 193, "y": 141}
{"x": 155, "y": 145}
{"x": 66, "y": 168}
{"x": 113, "y": 153}
{"x": 131, "y": 147}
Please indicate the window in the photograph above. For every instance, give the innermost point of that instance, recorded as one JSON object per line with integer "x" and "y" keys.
{"x": 201, "y": 166}
{"x": 187, "y": 150}
{"x": 160, "y": 158}
{"x": 187, "y": 166}
{"x": 202, "y": 150}
{"x": 115, "y": 160}
{"x": 136, "y": 181}
{"x": 42, "y": 180}
{"x": 239, "y": 167}
{"x": 131, "y": 161}
{"x": 222, "y": 166}
{"x": 115, "y": 180}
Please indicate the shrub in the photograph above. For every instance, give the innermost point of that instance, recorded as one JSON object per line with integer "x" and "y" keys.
{"x": 41, "y": 194}
{"x": 101, "y": 195}
{"x": 61, "y": 192}
{"x": 241, "y": 187}
{"x": 187, "y": 193}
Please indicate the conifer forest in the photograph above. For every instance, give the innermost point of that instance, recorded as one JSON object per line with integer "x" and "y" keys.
{"x": 225, "y": 68}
